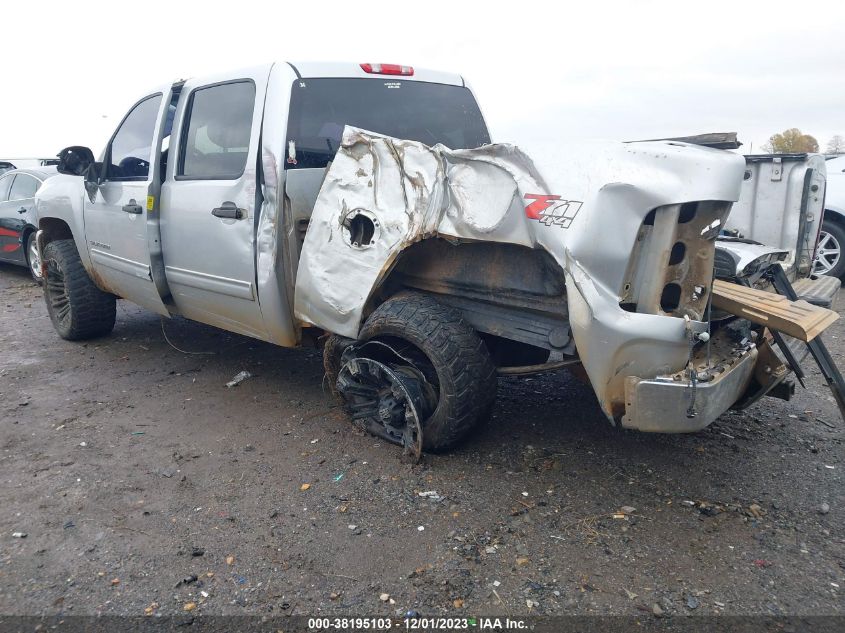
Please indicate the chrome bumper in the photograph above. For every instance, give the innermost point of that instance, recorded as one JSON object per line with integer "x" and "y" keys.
{"x": 661, "y": 404}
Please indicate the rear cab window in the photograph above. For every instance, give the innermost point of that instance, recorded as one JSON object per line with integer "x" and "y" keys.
{"x": 426, "y": 112}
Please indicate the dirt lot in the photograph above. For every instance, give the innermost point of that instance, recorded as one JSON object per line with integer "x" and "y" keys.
{"x": 143, "y": 483}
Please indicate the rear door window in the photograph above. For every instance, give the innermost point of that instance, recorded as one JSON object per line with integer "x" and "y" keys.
{"x": 24, "y": 187}
{"x": 415, "y": 110}
{"x": 215, "y": 139}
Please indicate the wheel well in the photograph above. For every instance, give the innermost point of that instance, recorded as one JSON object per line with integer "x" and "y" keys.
{"x": 54, "y": 229}
{"x": 27, "y": 231}
{"x": 506, "y": 292}
{"x": 830, "y": 215}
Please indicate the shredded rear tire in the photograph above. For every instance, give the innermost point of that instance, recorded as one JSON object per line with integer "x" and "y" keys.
{"x": 78, "y": 309}
{"x": 465, "y": 374}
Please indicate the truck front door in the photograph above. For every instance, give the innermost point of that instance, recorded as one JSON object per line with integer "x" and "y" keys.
{"x": 116, "y": 210}
{"x": 208, "y": 202}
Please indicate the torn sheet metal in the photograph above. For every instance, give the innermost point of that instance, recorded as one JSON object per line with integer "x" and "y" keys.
{"x": 583, "y": 203}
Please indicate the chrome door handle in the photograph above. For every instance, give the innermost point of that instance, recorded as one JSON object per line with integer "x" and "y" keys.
{"x": 228, "y": 210}
{"x": 133, "y": 207}
{"x": 22, "y": 210}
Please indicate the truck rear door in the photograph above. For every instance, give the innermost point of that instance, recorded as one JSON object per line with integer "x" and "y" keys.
{"x": 116, "y": 210}
{"x": 208, "y": 201}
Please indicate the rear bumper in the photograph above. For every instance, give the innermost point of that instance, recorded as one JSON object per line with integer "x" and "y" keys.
{"x": 661, "y": 404}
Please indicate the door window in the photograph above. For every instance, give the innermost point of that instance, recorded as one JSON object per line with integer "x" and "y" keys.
{"x": 5, "y": 183}
{"x": 215, "y": 137}
{"x": 24, "y": 187}
{"x": 129, "y": 153}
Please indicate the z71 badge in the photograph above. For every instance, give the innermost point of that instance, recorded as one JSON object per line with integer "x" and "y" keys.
{"x": 551, "y": 210}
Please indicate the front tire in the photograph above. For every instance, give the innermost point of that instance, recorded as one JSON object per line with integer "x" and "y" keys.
{"x": 447, "y": 351}
{"x": 33, "y": 258}
{"x": 78, "y": 309}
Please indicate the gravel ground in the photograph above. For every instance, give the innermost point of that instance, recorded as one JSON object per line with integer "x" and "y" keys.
{"x": 145, "y": 485}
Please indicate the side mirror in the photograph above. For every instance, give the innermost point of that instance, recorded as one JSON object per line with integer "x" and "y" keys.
{"x": 75, "y": 160}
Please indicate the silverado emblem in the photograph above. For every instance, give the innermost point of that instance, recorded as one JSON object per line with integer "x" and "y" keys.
{"x": 551, "y": 210}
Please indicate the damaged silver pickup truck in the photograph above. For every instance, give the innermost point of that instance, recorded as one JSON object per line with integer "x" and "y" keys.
{"x": 322, "y": 202}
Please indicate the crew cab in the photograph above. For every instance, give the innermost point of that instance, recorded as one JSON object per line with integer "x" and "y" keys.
{"x": 364, "y": 206}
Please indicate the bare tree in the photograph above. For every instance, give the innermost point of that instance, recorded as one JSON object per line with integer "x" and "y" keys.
{"x": 791, "y": 140}
{"x": 836, "y": 145}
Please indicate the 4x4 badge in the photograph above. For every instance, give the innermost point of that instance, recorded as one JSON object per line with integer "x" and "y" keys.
{"x": 551, "y": 210}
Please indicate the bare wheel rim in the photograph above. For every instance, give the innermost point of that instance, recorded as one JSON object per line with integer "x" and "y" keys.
{"x": 34, "y": 259}
{"x": 828, "y": 253}
{"x": 56, "y": 292}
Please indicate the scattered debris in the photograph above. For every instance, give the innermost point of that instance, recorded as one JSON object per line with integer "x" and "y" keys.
{"x": 230, "y": 560}
{"x": 304, "y": 487}
{"x": 384, "y": 597}
{"x": 18, "y": 534}
{"x": 824, "y": 508}
{"x": 189, "y": 606}
{"x": 756, "y": 511}
{"x": 420, "y": 528}
{"x": 115, "y": 582}
{"x": 186, "y": 581}
{"x": 458, "y": 604}
{"x": 627, "y": 509}
{"x": 687, "y": 503}
{"x": 657, "y": 610}
{"x": 197, "y": 551}
{"x": 692, "y": 602}
{"x": 238, "y": 379}
{"x": 631, "y": 595}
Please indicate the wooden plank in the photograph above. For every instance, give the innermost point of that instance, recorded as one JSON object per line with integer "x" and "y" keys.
{"x": 800, "y": 319}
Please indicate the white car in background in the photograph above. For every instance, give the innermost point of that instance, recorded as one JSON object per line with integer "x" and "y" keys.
{"x": 829, "y": 259}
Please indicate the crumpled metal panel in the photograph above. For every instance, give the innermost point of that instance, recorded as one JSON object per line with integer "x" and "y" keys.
{"x": 583, "y": 203}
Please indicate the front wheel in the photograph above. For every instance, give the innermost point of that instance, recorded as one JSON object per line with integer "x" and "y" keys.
{"x": 413, "y": 349}
{"x": 78, "y": 309}
{"x": 829, "y": 257}
{"x": 33, "y": 258}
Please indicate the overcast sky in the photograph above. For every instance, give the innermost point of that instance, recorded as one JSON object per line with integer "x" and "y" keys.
{"x": 613, "y": 70}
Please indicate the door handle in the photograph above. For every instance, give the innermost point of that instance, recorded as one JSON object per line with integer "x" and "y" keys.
{"x": 133, "y": 207}
{"x": 228, "y": 210}
{"x": 22, "y": 210}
